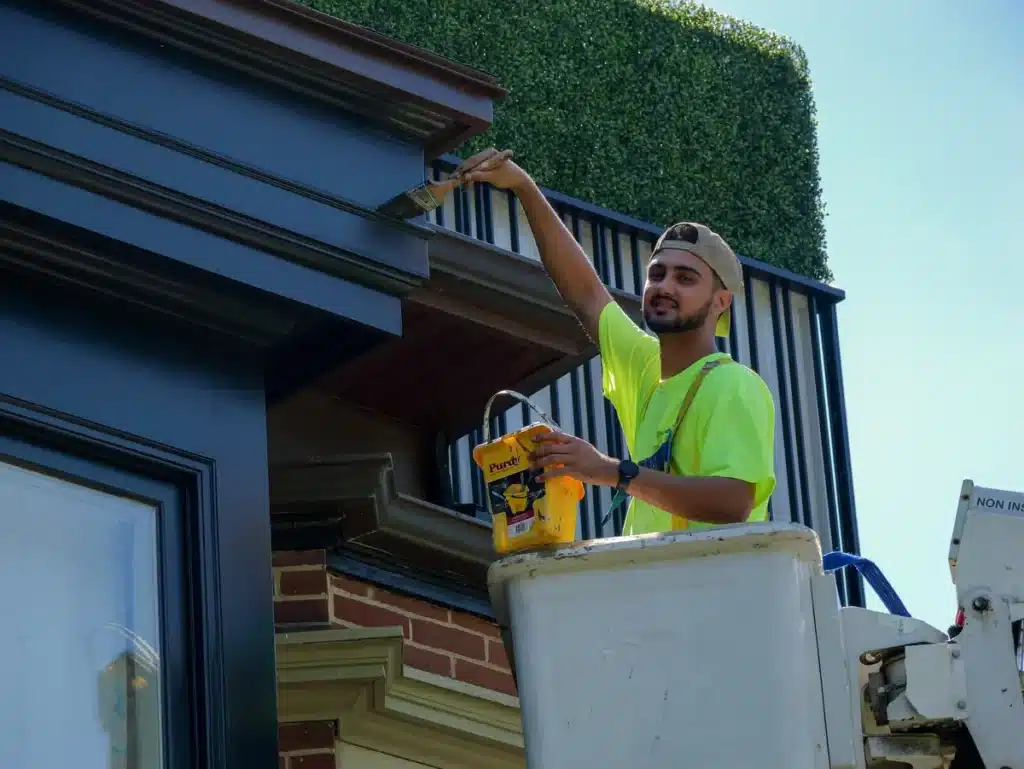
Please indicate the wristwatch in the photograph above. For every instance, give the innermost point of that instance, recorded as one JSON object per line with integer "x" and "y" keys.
{"x": 628, "y": 470}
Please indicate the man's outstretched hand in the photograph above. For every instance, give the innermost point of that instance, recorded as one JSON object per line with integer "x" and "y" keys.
{"x": 494, "y": 167}
{"x": 566, "y": 455}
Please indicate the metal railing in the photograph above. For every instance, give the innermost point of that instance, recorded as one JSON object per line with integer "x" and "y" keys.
{"x": 784, "y": 327}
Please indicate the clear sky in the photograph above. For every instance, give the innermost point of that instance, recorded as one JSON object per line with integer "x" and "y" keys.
{"x": 921, "y": 127}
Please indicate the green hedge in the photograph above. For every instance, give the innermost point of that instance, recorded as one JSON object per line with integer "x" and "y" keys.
{"x": 661, "y": 110}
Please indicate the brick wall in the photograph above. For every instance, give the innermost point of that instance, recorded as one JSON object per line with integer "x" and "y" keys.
{"x": 437, "y": 639}
{"x": 307, "y": 745}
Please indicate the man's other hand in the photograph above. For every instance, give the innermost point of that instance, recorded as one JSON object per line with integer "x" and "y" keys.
{"x": 495, "y": 168}
{"x": 559, "y": 455}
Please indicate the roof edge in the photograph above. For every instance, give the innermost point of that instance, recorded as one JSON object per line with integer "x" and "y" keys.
{"x": 370, "y": 40}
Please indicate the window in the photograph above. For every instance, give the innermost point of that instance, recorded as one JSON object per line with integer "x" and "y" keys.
{"x": 92, "y": 613}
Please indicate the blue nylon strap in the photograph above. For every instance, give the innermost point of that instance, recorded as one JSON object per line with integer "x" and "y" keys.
{"x": 618, "y": 498}
{"x": 872, "y": 574}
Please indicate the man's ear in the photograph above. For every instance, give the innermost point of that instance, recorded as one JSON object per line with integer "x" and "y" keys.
{"x": 723, "y": 300}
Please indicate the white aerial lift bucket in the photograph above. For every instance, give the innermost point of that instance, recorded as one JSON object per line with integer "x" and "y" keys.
{"x": 667, "y": 651}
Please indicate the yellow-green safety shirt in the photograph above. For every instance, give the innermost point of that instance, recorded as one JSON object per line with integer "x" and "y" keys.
{"x": 728, "y": 431}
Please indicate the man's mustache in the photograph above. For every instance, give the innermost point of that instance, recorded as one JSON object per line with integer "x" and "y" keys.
{"x": 664, "y": 298}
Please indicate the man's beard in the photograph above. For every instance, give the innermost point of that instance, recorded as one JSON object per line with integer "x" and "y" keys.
{"x": 680, "y": 324}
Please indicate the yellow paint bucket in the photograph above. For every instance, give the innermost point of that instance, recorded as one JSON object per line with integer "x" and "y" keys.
{"x": 524, "y": 513}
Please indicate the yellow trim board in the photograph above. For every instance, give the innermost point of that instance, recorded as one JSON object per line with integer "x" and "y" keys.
{"x": 356, "y": 676}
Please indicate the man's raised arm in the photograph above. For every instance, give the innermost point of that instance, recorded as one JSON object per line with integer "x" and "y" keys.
{"x": 563, "y": 258}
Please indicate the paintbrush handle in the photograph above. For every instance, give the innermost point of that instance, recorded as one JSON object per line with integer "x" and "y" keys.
{"x": 442, "y": 188}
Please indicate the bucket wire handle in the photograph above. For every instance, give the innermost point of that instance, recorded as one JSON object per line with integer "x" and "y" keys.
{"x": 522, "y": 399}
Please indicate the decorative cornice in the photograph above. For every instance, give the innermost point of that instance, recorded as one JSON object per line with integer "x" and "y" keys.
{"x": 357, "y": 677}
{"x": 168, "y": 203}
{"x": 396, "y": 85}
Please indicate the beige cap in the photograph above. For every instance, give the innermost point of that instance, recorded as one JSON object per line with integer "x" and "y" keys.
{"x": 709, "y": 246}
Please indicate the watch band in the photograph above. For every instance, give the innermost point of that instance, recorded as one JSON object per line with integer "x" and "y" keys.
{"x": 628, "y": 470}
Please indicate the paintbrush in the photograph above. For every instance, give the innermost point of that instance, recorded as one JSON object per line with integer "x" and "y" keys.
{"x": 429, "y": 195}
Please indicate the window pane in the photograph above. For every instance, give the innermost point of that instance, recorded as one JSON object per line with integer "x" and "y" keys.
{"x": 79, "y": 640}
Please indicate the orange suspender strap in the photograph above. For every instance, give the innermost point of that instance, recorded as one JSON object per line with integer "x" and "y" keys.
{"x": 692, "y": 392}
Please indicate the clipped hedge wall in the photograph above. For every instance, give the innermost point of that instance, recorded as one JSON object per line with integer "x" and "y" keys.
{"x": 661, "y": 110}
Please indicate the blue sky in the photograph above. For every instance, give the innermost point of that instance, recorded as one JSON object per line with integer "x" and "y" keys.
{"x": 921, "y": 128}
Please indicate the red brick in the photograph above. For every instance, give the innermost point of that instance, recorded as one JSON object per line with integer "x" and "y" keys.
{"x": 306, "y": 735}
{"x": 496, "y": 654}
{"x": 300, "y": 558}
{"x": 367, "y": 615}
{"x": 472, "y": 622}
{"x": 309, "y": 582}
{"x": 488, "y": 678}
{"x": 313, "y": 761}
{"x": 449, "y": 638}
{"x": 315, "y": 610}
{"x": 351, "y": 586}
{"x": 411, "y": 605}
{"x": 430, "y": 661}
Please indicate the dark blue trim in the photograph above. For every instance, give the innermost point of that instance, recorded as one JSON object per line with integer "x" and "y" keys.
{"x": 198, "y": 249}
{"x": 439, "y": 211}
{"x": 485, "y": 194}
{"x": 751, "y": 266}
{"x": 200, "y": 103}
{"x": 841, "y": 445}
{"x": 638, "y": 274}
{"x": 613, "y": 233}
{"x": 457, "y": 202}
{"x": 600, "y": 253}
{"x": 204, "y": 181}
{"x": 751, "y": 312}
{"x": 479, "y": 489}
{"x": 556, "y": 405}
{"x": 413, "y": 584}
{"x": 478, "y": 212}
{"x": 455, "y": 473}
{"x": 734, "y": 345}
{"x": 513, "y": 221}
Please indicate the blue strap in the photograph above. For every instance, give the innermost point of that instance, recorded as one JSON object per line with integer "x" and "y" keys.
{"x": 871, "y": 573}
{"x": 617, "y": 499}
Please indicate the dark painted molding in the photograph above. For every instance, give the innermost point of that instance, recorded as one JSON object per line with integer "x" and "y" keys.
{"x": 167, "y": 237}
{"x": 157, "y": 174}
{"x": 352, "y": 501}
{"x": 40, "y": 246}
{"x": 437, "y": 101}
{"x": 414, "y": 582}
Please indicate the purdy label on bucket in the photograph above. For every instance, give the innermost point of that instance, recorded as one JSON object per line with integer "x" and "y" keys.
{"x": 525, "y": 512}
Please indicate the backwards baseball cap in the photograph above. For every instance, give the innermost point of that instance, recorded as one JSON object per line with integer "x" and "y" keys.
{"x": 713, "y": 251}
